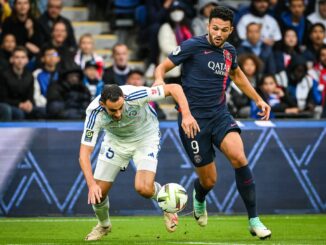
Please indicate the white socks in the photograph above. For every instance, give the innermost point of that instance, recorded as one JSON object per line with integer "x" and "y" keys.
{"x": 157, "y": 188}
{"x": 102, "y": 212}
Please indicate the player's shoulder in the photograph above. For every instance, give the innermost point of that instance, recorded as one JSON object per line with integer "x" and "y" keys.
{"x": 228, "y": 46}
{"x": 131, "y": 92}
{"x": 195, "y": 41}
{"x": 95, "y": 105}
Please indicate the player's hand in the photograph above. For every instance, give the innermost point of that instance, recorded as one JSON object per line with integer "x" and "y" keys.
{"x": 265, "y": 110}
{"x": 190, "y": 126}
{"x": 94, "y": 194}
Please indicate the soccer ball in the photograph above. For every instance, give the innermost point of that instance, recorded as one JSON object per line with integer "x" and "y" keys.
{"x": 172, "y": 198}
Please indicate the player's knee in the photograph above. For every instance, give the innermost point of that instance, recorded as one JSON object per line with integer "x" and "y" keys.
{"x": 239, "y": 160}
{"x": 144, "y": 190}
{"x": 209, "y": 183}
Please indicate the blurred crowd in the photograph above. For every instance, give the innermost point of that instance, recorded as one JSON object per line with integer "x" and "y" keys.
{"x": 45, "y": 73}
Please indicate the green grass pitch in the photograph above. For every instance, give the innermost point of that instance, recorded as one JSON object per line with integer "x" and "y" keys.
{"x": 291, "y": 229}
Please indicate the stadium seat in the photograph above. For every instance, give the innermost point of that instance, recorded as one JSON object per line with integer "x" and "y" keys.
{"x": 124, "y": 13}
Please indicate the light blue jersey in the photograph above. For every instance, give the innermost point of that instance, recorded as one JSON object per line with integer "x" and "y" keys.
{"x": 139, "y": 119}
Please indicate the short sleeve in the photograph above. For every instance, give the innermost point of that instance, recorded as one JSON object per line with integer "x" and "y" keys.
{"x": 234, "y": 58}
{"x": 182, "y": 52}
{"x": 144, "y": 95}
{"x": 91, "y": 127}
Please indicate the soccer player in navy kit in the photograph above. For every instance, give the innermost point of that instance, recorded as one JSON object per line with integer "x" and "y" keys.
{"x": 207, "y": 62}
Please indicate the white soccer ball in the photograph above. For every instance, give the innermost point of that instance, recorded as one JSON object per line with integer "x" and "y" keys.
{"x": 172, "y": 198}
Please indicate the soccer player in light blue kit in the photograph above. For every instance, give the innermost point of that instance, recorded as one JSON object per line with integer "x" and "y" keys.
{"x": 207, "y": 62}
{"x": 131, "y": 132}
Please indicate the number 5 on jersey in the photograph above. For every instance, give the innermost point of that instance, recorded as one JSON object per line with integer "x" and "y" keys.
{"x": 109, "y": 153}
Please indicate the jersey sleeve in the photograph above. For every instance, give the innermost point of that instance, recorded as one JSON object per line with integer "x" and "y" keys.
{"x": 182, "y": 52}
{"x": 143, "y": 95}
{"x": 92, "y": 126}
{"x": 234, "y": 57}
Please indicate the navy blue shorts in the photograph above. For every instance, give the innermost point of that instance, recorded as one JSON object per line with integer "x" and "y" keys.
{"x": 212, "y": 132}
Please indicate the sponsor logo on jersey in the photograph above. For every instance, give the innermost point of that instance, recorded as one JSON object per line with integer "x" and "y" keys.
{"x": 219, "y": 68}
{"x": 132, "y": 113}
{"x": 177, "y": 50}
{"x": 208, "y": 51}
{"x": 89, "y": 135}
{"x": 154, "y": 91}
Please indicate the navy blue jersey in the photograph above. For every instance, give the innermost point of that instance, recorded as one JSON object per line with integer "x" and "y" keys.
{"x": 205, "y": 72}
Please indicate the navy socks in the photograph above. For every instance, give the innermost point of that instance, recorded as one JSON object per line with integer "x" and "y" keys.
{"x": 246, "y": 187}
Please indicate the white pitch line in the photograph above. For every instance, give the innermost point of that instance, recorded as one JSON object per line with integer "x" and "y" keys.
{"x": 57, "y": 220}
{"x": 208, "y": 243}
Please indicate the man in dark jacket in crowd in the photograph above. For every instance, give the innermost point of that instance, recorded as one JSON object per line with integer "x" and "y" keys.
{"x": 16, "y": 88}
{"x": 68, "y": 98}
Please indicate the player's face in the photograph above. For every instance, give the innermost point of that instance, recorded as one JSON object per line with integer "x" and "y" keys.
{"x": 114, "y": 109}
{"x": 218, "y": 31}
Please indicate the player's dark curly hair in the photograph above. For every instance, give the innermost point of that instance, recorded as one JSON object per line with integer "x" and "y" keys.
{"x": 221, "y": 12}
{"x": 111, "y": 92}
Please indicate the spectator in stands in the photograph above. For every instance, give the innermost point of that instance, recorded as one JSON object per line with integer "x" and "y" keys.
{"x": 158, "y": 13}
{"x": 86, "y": 53}
{"x": 302, "y": 88}
{"x": 51, "y": 16}
{"x": 117, "y": 73}
{"x": 23, "y": 26}
{"x": 285, "y": 49}
{"x": 172, "y": 34}
{"x": 270, "y": 31}
{"x": 68, "y": 98}
{"x": 59, "y": 41}
{"x": 5, "y": 10}
{"x": 91, "y": 78}
{"x": 282, "y": 105}
{"x": 253, "y": 44}
{"x": 199, "y": 24}
{"x": 239, "y": 103}
{"x": 45, "y": 76}
{"x": 136, "y": 78}
{"x": 7, "y": 47}
{"x": 319, "y": 73}
{"x": 295, "y": 18}
{"x": 319, "y": 16}
{"x": 16, "y": 87}
{"x": 316, "y": 41}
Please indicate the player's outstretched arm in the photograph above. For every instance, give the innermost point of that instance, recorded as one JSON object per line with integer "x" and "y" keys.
{"x": 189, "y": 124}
{"x": 240, "y": 79}
{"x": 160, "y": 71}
{"x": 94, "y": 191}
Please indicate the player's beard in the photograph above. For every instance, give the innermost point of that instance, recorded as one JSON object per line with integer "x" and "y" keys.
{"x": 213, "y": 42}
